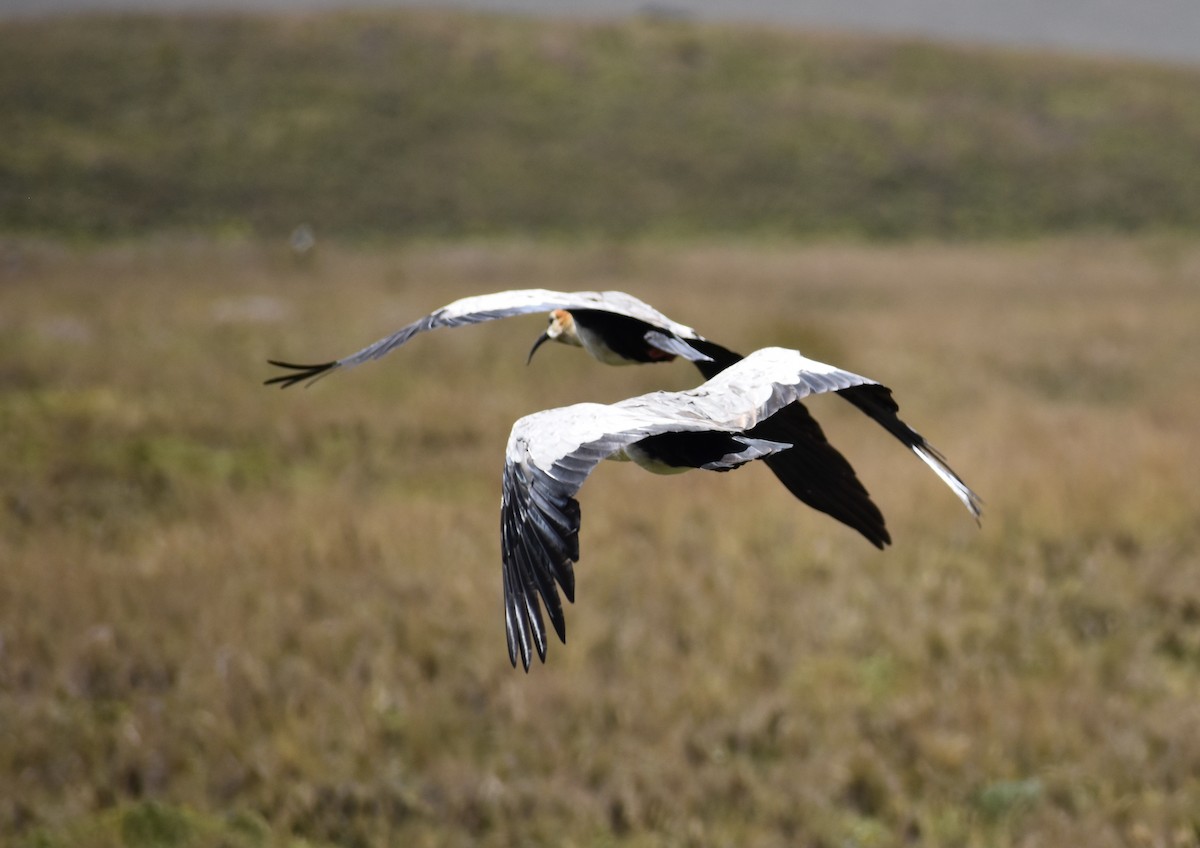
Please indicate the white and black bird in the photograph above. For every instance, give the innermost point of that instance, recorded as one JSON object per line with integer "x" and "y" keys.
{"x": 550, "y": 454}
{"x": 618, "y": 329}
{"x": 614, "y": 327}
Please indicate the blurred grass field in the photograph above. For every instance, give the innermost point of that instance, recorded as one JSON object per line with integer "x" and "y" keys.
{"x": 236, "y": 616}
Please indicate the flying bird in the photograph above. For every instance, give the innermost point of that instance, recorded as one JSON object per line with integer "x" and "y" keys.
{"x": 619, "y": 329}
{"x": 614, "y": 327}
{"x": 550, "y": 454}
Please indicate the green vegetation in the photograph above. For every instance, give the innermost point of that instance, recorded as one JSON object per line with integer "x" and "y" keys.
{"x": 236, "y": 616}
{"x": 429, "y": 124}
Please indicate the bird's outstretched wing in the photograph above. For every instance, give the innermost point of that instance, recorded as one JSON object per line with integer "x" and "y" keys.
{"x": 814, "y": 471}
{"x": 877, "y": 403}
{"x": 550, "y": 455}
{"x": 490, "y": 307}
{"x": 772, "y": 369}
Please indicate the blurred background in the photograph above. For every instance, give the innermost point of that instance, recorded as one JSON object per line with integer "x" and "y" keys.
{"x": 236, "y": 616}
{"x": 1165, "y": 29}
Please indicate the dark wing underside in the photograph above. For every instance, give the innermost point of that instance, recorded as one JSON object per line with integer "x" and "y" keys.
{"x": 814, "y": 471}
{"x": 539, "y": 539}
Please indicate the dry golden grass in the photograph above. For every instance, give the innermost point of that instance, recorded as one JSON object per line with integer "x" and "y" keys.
{"x": 237, "y": 616}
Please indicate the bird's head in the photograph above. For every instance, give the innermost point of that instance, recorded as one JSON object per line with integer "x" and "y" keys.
{"x": 561, "y": 329}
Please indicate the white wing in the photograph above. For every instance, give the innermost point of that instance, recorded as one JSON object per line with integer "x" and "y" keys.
{"x": 490, "y": 307}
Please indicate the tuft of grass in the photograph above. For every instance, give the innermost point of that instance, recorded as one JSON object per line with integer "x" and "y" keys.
{"x": 435, "y": 124}
{"x": 234, "y": 615}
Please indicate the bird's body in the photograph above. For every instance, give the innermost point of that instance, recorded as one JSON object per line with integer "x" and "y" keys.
{"x": 619, "y": 329}
{"x": 551, "y": 453}
{"x": 619, "y": 339}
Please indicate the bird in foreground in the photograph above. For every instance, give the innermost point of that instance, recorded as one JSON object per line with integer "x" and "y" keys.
{"x": 551, "y": 453}
{"x": 618, "y": 329}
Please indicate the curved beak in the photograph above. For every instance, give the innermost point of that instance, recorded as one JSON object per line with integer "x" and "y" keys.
{"x": 543, "y": 338}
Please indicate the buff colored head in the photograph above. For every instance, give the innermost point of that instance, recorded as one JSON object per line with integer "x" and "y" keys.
{"x": 561, "y": 329}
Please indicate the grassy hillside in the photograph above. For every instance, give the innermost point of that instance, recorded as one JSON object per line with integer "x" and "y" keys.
{"x": 416, "y": 124}
{"x": 236, "y": 616}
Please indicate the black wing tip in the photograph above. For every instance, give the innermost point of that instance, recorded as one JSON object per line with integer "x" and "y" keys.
{"x": 525, "y": 644}
{"x": 303, "y": 372}
{"x": 515, "y": 653}
{"x": 975, "y": 507}
{"x": 876, "y": 534}
{"x": 525, "y": 655}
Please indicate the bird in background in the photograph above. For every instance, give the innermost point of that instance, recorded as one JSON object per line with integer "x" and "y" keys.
{"x": 619, "y": 329}
{"x": 714, "y": 426}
